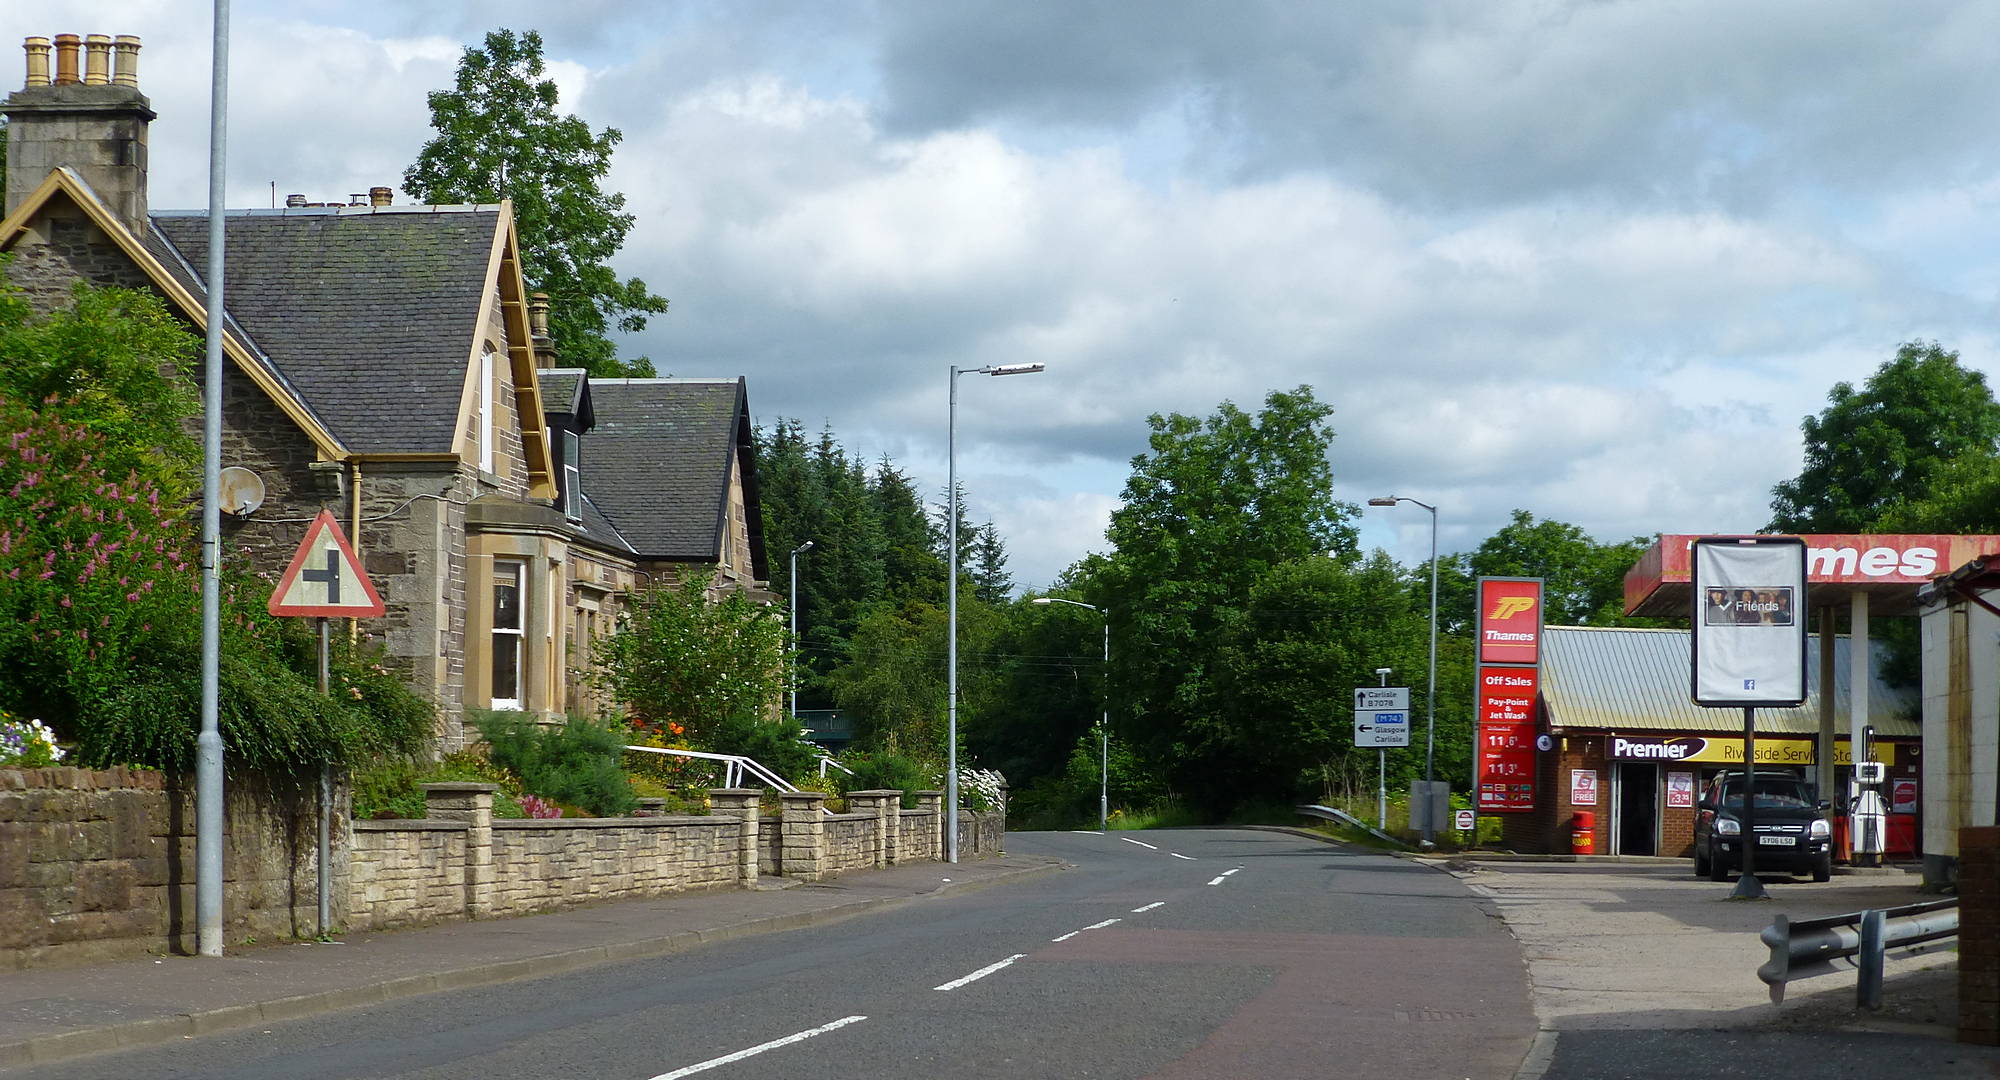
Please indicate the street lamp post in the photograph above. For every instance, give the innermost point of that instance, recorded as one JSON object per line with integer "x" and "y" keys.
{"x": 794, "y": 586}
{"x": 951, "y": 599}
{"x": 1104, "y": 729}
{"x": 1430, "y": 732}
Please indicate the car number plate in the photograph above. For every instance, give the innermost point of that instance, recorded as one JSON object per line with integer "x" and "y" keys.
{"x": 1778, "y": 841}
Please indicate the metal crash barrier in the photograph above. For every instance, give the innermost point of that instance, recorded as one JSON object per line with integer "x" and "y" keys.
{"x": 1806, "y": 947}
{"x": 1328, "y": 813}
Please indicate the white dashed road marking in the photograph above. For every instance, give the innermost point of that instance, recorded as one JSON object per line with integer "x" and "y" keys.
{"x": 760, "y": 1048}
{"x": 980, "y": 974}
{"x": 1178, "y": 855}
{"x": 1218, "y": 880}
{"x": 1141, "y": 843}
{"x": 1101, "y": 925}
{"x": 1149, "y": 907}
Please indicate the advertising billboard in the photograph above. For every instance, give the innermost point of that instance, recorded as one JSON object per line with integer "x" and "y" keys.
{"x": 1749, "y": 641}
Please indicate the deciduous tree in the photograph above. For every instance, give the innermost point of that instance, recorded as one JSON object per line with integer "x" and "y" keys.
{"x": 499, "y": 135}
{"x": 1874, "y": 449}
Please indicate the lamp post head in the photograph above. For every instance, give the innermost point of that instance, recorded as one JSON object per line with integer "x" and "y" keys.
{"x": 1012, "y": 369}
{"x": 1384, "y": 500}
{"x": 803, "y": 548}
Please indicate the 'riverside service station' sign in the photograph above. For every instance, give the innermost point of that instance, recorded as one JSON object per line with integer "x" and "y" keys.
{"x": 1729, "y": 751}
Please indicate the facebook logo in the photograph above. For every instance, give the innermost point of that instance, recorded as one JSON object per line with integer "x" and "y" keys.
{"x": 1749, "y": 684}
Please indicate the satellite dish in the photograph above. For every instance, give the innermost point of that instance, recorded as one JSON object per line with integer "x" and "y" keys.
{"x": 241, "y": 492}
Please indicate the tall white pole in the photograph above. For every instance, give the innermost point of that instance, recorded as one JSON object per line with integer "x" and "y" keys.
{"x": 1104, "y": 736}
{"x": 951, "y": 618}
{"x": 951, "y": 602}
{"x": 1430, "y": 727}
{"x": 793, "y": 585}
{"x": 208, "y": 746}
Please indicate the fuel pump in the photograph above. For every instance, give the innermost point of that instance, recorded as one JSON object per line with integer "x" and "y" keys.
{"x": 1869, "y": 816}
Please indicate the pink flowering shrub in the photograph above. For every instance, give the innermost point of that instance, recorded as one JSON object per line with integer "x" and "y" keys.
{"x": 535, "y": 807}
{"x": 97, "y": 574}
{"x": 100, "y": 607}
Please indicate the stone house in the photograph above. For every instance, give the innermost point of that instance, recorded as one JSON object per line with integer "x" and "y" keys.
{"x": 386, "y": 363}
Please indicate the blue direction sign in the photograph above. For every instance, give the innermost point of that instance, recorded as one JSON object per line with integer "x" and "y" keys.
{"x": 1381, "y": 716}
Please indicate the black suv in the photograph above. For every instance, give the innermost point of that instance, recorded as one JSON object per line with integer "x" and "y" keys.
{"x": 1791, "y": 834}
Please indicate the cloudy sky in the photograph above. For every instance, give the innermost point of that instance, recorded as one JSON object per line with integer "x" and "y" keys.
{"x": 1594, "y": 260}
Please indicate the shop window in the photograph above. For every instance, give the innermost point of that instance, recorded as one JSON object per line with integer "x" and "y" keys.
{"x": 509, "y": 579}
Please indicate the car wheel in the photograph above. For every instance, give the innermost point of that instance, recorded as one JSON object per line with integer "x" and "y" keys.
{"x": 1823, "y": 867}
{"x": 1718, "y": 867}
{"x": 1700, "y": 863}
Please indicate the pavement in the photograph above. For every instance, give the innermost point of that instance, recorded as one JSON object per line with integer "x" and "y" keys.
{"x": 51, "y": 1014}
{"x": 1638, "y": 969}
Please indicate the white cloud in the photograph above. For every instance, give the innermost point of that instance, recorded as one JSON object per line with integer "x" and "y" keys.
{"x": 1593, "y": 261}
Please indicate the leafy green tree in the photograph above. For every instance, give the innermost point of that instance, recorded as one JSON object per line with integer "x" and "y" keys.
{"x": 1583, "y": 581}
{"x": 1210, "y": 508}
{"x": 1314, "y": 629}
{"x": 499, "y": 136}
{"x": 1038, "y": 686}
{"x": 893, "y": 685}
{"x": 679, "y": 657}
{"x": 1874, "y": 449}
{"x": 118, "y": 364}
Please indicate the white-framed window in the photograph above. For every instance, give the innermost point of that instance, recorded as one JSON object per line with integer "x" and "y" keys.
{"x": 486, "y": 411}
{"x": 510, "y": 578}
{"x": 572, "y": 488}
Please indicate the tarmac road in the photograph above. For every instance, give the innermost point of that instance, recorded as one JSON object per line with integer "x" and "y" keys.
{"x": 1185, "y": 953}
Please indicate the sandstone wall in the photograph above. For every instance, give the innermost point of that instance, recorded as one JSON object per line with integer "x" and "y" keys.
{"x": 100, "y": 864}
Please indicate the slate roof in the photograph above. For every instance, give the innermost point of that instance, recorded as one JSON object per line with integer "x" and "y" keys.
{"x": 599, "y": 530}
{"x": 561, "y": 388}
{"x": 657, "y": 463}
{"x": 1631, "y": 679}
{"x": 370, "y": 312}
{"x": 159, "y": 247}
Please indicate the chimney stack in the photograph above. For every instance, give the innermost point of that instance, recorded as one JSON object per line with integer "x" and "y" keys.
{"x": 538, "y": 330}
{"x": 38, "y": 60}
{"x": 380, "y": 196}
{"x": 125, "y": 56}
{"x": 66, "y": 59}
{"x": 90, "y": 118}
{"x": 97, "y": 60}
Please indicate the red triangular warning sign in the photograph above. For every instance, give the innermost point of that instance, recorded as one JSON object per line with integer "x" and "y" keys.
{"x": 325, "y": 577}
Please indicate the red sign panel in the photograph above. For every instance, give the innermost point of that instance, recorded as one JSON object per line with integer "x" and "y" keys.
{"x": 1510, "y": 620}
{"x": 1831, "y": 559}
{"x": 1507, "y": 738}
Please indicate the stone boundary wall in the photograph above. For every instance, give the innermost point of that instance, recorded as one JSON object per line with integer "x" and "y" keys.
{"x": 99, "y": 864}
{"x": 406, "y": 873}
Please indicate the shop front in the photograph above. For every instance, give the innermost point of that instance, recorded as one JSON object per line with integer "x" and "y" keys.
{"x": 1624, "y": 754}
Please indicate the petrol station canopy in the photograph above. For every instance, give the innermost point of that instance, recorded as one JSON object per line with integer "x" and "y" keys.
{"x": 1888, "y": 568}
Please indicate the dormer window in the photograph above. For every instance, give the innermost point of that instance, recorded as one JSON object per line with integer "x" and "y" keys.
{"x": 572, "y": 475}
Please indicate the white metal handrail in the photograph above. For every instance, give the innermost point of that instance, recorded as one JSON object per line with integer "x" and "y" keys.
{"x": 825, "y": 761}
{"x": 734, "y": 766}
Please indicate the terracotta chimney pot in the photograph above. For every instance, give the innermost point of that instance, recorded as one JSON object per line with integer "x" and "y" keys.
{"x": 125, "y": 61}
{"x": 294, "y": 201}
{"x": 380, "y": 196}
{"x": 97, "y": 60}
{"x": 66, "y": 45}
{"x": 37, "y": 49}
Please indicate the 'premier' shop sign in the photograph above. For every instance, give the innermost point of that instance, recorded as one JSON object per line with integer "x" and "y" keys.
{"x": 1688, "y": 748}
